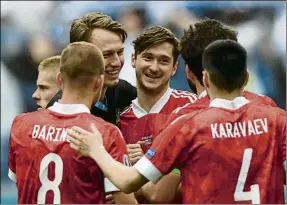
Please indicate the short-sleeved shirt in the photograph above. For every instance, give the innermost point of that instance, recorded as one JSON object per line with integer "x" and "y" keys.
{"x": 231, "y": 152}
{"x": 46, "y": 169}
{"x": 171, "y": 100}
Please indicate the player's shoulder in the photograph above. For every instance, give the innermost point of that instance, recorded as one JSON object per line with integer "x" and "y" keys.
{"x": 182, "y": 94}
{"x": 126, "y": 111}
{"x": 190, "y": 107}
{"x": 28, "y": 116}
{"x": 259, "y": 98}
{"x": 103, "y": 125}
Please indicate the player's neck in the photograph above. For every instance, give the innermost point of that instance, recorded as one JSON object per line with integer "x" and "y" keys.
{"x": 68, "y": 98}
{"x": 199, "y": 89}
{"x": 104, "y": 90}
{"x": 147, "y": 99}
{"x": 224, "y": 94}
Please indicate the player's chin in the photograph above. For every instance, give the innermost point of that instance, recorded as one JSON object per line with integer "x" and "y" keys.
{"x": 111, "y": 82}
{"x": 151, "y": 86}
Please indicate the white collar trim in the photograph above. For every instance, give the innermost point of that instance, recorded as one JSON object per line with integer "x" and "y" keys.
{"x": 202, "y": 95}
{"x": 227, "y": 104}
{"x": 69, "y": 109}
{"x": 156, "y": 108}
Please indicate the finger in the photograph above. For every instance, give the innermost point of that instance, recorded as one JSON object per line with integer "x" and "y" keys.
{"x": 137, "y": 154}
{"x": 135, "y": 150}
{"x": 109, "y": 199}
{"x": 79, "y": 130}
{"x": 74, "y": 134}
{"x": 133, "y": 146}
{"x": 141, "y": 142}
{"x": 75, "y": 147}
{"x": 73, "y": 140}
{"x": 134, "y": 160}
{"x": 95, "y": 129}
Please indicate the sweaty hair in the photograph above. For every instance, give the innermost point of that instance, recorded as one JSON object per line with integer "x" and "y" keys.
{"x": 81, "y": 28}
{"x": 197, "y": 37}
{"x": 81, "y": 61}
{"x": 51, "y": 64}
{"x": 226, "y": 63}
{"x": 156, "y": 35}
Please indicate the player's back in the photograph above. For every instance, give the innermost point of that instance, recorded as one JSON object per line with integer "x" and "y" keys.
{"x": 236, "y": 154}
{"x": 47, "y": 169}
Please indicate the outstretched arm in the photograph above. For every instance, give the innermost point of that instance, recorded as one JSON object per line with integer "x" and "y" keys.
{"x": 162, "y": 192}
{"x": 127, "y": 179}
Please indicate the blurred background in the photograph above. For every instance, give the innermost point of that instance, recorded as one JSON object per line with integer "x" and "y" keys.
{"x": 33, "y": 31}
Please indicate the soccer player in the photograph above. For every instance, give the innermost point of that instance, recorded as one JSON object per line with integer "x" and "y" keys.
{"x": 155, "y": 61}
{"x": 47, "y": 86}
{"x": 232, "y": 152}
{"x": 109, "y": 35}
{"x": 193, "y": 43}
{"x": 41, "y": 162}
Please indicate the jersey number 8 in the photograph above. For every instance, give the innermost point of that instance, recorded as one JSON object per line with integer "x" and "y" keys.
{"x": 48, "y": 184}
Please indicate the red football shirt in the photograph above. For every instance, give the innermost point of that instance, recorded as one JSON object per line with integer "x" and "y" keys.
{"x": 231, "y": 152}
{"x": 171, "y": 100}
{"x": 45, "y": 167}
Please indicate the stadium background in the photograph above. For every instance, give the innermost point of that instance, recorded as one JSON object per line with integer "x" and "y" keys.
{"x": 32, "y": 31}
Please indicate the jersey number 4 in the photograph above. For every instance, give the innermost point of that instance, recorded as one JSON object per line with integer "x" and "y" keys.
{"x": 48, "y": 184}
{"x": 253, "y": 194}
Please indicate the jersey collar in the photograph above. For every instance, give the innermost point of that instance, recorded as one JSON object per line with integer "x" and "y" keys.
{"x": 229, "y": 104}
{"x": 69, "y": 108}
{"x": 156, "y": 108}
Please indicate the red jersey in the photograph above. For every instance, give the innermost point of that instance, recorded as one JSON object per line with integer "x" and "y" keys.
{"x": 203, "y": 102}
{"x": 45, "y": 167}
{"x": 231, "y": 152}
{"x": 171, "y": 100}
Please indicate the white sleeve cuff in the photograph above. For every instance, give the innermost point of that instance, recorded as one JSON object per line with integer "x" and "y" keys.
{"x": 148, "y": 170}
{"x": 12, "y": 175}
{"x": 285, "y": 165}
{"x": 109, "y": 186}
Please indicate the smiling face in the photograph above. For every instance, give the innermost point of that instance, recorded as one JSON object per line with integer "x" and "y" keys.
{"x": 113, "y": 51}
{"x": 154, "y": 67}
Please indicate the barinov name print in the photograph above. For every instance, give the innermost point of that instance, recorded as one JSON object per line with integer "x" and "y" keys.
{"x": 49, "y": 133}
{"x": 239, "y": 129}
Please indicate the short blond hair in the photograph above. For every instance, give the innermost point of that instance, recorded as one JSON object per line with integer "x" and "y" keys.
{"x": 51, "y": 65}
{"x": 80, "y": 61}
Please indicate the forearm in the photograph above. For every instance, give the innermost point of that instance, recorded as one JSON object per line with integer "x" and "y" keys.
{"x": 127, "y": 179}
{"x": 162, "y": 192}
{"x": 122, "y": 198}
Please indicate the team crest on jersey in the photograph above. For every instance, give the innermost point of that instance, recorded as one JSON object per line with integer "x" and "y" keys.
{"x": 151, "y": 152}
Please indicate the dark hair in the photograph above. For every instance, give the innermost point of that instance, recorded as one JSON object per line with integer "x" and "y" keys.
{"x": 226, "y": 62}
{"x": 81, "y": 28}
{"x": 155, "y": 35}
{"x": 197, "y": 37}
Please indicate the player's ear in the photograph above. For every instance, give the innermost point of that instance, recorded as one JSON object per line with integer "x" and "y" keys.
{"x": 205, "y": 79}
{"x": 174, "y": 69}
{"x": 99, "y": 81}
{"x": 133, "y": 60}
{"x": 246, "y": 79}
{"x": 189, "y": 74}
{"x": 59, "y": 79}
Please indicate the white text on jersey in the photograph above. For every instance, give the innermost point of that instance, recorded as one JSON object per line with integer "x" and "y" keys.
{"x": 239, "y": 129}
{"x": 49, "y": 133}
